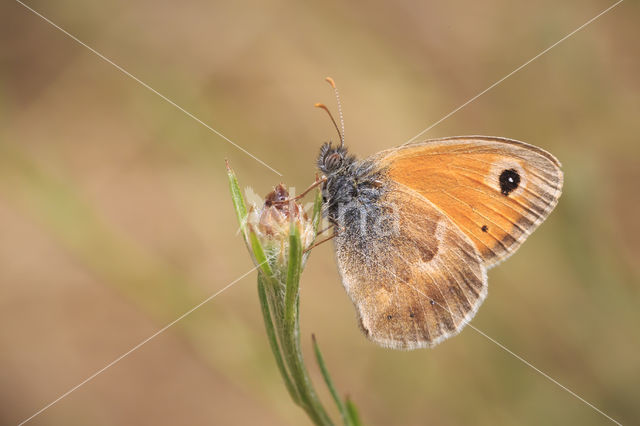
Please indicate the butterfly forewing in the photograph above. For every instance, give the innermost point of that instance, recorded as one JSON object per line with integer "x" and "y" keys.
{"x": 495, "y": 190}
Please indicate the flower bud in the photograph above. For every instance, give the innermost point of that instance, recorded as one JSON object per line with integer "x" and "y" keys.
{"x": 272, "y": 223}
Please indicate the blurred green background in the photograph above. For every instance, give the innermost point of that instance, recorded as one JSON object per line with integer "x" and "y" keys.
{"x": 115, "y": 216}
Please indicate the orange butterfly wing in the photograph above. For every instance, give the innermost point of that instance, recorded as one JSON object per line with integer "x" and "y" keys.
{"x": 417, "y": 284}
{"x": 496, "y": 190}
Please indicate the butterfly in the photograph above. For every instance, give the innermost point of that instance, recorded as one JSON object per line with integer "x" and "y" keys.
{"x": 418, "y": 226}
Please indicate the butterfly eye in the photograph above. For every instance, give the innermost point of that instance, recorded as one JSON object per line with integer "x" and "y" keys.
{"x": 333, "y": 161}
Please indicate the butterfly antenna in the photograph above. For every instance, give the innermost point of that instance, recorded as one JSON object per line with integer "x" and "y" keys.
{"x": 324, "y": 107}
{"x": 335, "y": 90}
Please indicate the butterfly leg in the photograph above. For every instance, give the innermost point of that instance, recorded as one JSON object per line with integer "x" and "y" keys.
{"x": 319, "y": 181}
{"x": 335, "y": 233}
{"x": 325, "y": 229}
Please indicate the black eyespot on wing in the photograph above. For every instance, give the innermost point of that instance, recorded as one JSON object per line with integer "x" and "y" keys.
{"x": 484, "y": 228}
{"x": 509, "y": 181}
{"x": 389, "y": 317}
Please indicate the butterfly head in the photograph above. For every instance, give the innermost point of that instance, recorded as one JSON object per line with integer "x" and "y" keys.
{"x": 332, "y": 159}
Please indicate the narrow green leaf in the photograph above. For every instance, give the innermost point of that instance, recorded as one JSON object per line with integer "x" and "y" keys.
{"x": 316, "y": 219}
{"x": 353, "y": 412}
{"x": 258, "y": 254}
{"x": 273, "y": 341}
{"x": 250, "y": 238}
{"x": 238, "y": 201}
{"x": 293, "y": 277}
{"x": 317, "y": 212}
{"x": 346, "y": 419}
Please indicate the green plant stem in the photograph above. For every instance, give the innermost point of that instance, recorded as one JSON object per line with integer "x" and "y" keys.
{"x": 279, "y": 293}
{"x": 273, "y": 341}
{"x": 291, "y": 332}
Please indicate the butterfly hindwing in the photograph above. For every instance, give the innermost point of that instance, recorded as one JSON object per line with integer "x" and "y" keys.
{"x": 417, "y": 282}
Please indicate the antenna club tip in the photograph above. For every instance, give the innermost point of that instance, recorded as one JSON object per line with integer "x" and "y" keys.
{"x": 318, "y": 105}
{"x": 330, "y": 81}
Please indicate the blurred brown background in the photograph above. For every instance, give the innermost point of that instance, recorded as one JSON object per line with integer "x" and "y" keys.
{"x": 115, "y": 216}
